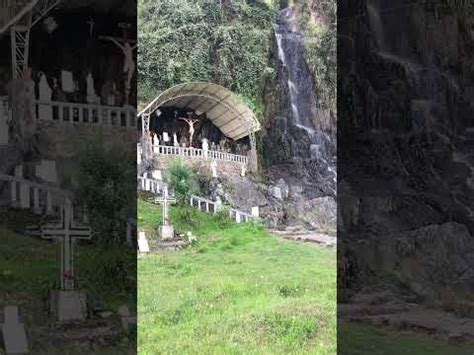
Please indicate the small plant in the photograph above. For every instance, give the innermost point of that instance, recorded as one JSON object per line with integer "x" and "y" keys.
{"x": 182, "y": 180}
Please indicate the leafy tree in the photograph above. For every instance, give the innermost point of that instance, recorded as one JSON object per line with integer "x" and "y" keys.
{"x": 182, "y": 180}
{"x": 226, "y": 42}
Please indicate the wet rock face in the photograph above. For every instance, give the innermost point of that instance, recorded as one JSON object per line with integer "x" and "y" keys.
{"x": 295, "y": 129}
{"x": 405, "y": 152}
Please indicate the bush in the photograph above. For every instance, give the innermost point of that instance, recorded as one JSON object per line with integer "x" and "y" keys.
{"x": 182, "y": 180}
{"x": 106, "y": 189}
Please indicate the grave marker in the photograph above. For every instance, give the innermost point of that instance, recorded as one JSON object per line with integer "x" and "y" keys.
{"x": 166, "y": 230}
{"x": 143, "y": 243}
{"x": 14, "y": 336}
{"x": 67, "y": 303}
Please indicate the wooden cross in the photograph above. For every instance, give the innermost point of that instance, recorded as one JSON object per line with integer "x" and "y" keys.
{"x": 165, "y": 201}
{"x": 66, "y": 232}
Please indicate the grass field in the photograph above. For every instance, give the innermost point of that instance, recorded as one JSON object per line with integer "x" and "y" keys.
{"x": 236, "y": 291}
{"x": 29, "y": 271}
{"x": 359, "y": 339}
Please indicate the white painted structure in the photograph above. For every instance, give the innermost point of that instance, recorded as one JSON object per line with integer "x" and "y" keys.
{"x": 91, "y": 114}
{"x": 14, "y": 335}
{"x": 66, "y": 233}
{"x": 27, "y": 194}
{"x": 210, "y": 206}
{"x": 196, "y": 152}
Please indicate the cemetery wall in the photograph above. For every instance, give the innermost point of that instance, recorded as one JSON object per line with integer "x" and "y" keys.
{"x": 202, "y": 166}
{"x": 59, "y": 140}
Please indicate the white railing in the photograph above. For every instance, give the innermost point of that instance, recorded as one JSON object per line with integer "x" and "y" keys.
{"x": 196, "y": 152}
{"x": 240, "y": 216}
{"x": 86, "y": 113}
{"x": 206, "y": 205}
{"x": 150, "y": 185}
{"x": 40, "y": 198}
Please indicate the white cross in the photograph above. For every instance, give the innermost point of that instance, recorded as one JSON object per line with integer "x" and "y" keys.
{"x": 165, "y": 201}
{"x": 66, "y": 233}
{"x": 91, "y": 24}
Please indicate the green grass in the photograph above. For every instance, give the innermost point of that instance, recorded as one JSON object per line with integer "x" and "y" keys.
{"x": 360, "y": 339}
{"x": 237, "y": 291}
{"x": 29, "y": 271}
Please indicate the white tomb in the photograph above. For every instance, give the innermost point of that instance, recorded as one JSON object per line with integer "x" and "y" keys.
{"x": 14, "y": 335}
{"x": 143, "y": 243}
{"x": 255, "y": 211}
{"x": 127, "y": 319}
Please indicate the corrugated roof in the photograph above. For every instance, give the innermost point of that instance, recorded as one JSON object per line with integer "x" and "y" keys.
{"x": 223, "y": 107}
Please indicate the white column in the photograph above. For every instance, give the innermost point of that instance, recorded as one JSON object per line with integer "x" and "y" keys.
{"x": 49, "y": 203}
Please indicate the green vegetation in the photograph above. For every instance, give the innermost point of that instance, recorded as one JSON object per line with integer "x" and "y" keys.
{"x": 319, "y": 22}
{"x": 236, "y": 291}
{"x": 106, "y": 189}
{"x": 226, "y": 42}
{"x": 359, "y": 339}
{"x": 29, "y": 270}
{"x": 182, "y": 180}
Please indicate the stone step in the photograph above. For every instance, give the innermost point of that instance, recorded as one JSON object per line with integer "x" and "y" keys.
{"x": 306, "y": 236}
{"x": 442, "y": 325}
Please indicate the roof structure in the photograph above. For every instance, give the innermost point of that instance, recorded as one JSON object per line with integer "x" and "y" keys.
{"x": 223, "y": 107}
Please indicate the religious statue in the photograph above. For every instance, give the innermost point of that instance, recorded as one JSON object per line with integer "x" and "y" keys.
{"x": 205, "y": 144}
{"x": 45, "y": 111}
{"x": 128, "y": 64}
{"x": 191, "y": 122}
{"x": 91, "y": 96}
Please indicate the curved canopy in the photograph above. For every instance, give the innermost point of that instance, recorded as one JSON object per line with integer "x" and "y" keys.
{"x": 224, "y": 108}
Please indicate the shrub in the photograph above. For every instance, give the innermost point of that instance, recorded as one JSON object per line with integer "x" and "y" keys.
{"x": 182, "y": 180}
{"x": 106, "y": 189}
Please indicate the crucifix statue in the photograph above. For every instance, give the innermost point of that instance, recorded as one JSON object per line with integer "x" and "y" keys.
{"x": 66, "y": 232}
{"x": 191, "y": 122}
{"x": 127, "y": 49}
{"x": 91, "y": 24}
{"x": 165, "y": 201}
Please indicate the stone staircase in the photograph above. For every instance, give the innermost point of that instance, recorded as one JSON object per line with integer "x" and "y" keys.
{"x": 301, "y": 234}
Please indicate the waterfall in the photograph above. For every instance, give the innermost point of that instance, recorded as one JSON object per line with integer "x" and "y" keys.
{"x": 376, "y": 24}
{"x": 290, "y": 43}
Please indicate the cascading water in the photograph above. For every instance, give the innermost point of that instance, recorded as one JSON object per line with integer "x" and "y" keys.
{"x": 290, "y": 43}
{"x": 301, "y": 91}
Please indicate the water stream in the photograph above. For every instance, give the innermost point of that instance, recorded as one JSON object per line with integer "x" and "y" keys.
{"x": 301, "y": 91}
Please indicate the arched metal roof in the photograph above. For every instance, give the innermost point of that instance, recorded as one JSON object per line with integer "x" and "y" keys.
{"x": 223, "y": 107}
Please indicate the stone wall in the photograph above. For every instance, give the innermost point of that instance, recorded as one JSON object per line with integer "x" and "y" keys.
{"x": 202, "y": 166}
{"x": 60, "y": 140}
